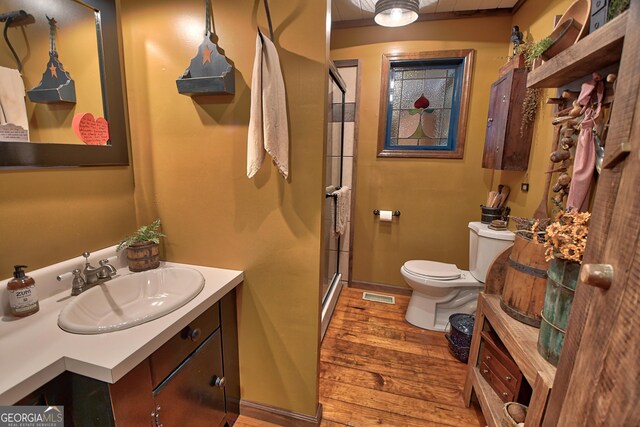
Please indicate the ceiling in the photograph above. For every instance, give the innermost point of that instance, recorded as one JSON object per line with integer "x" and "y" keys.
{"x": 358, "y": 10}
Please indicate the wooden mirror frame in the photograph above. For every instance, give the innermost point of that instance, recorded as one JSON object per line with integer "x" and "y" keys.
{"x": 20, "y": 155}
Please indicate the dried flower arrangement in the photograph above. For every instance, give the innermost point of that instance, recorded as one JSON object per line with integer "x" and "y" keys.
{"x": 531, "y": 229}
{"x": 566, "y": 237}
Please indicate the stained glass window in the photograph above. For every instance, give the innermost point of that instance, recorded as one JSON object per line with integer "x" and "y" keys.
{"x": 423, "y": 104}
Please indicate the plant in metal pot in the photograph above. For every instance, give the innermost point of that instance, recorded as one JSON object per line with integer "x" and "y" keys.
{"x": 566, "y": 239}
{"x": 142, "y": 247}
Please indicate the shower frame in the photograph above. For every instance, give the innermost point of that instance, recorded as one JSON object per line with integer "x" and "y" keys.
{"x": 334, "y": 284}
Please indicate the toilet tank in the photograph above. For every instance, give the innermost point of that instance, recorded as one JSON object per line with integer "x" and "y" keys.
{"x": 485, "y": 245}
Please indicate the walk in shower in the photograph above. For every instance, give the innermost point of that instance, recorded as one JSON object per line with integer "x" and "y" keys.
{"x": 334, "y": 162}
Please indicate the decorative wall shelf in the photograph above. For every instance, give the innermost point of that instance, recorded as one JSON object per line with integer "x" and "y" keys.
{"x": 209, "y": 72}
{"x": 597, "y": 50}
{"x": 56, "y": 84}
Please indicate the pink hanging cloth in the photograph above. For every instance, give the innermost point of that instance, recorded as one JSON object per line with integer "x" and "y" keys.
{"x": 585, "y": 160}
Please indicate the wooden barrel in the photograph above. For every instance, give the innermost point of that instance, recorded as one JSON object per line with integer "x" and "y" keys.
{"x": 525, "y": 282}
{"x": 143, "y": 256}
{"x": 561, "y": 285}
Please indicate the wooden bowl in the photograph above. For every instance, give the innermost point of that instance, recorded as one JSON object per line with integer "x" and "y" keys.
{"x": 580, "y": 11}
{"x": 563, "y": 36}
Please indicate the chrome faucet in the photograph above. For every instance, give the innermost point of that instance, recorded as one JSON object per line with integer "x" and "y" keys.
{"x": 90, "y": 276}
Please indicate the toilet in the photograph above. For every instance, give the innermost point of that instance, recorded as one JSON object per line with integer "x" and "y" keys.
{"x": 440, "y": 289}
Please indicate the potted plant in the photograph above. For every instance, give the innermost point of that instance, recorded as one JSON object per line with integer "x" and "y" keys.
{"x": 566, "y": 239}
{"x": 143, "y": 252}
{"x": 534, "y": 50}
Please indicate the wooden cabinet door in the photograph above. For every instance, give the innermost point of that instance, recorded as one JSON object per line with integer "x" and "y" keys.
{"x": 190, "y": 397}
{"x": 507, "y": 140}
{"x": 598, "y": 377}
{"x": 497, "y": 122}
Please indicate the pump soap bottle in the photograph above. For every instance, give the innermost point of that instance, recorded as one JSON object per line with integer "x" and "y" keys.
{"x": 23, "y": 298}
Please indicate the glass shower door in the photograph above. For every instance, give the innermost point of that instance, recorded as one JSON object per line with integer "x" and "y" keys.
{"x": 333, "y": 180}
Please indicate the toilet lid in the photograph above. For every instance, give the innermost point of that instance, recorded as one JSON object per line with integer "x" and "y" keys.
{"x": 433, "y": 269}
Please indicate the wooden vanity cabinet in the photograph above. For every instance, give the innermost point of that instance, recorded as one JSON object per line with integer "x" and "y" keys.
{"x": 187, "y": 381}
{"x": 180, "y": 384}
{"x": 194, "y": 393}
{"x": 165, "y": 359}
{"x": 505, "y": 148}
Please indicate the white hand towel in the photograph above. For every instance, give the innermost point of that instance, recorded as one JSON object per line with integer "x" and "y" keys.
{"x": 343, "y": 207}
{"x": 12, "y": 105}
{"x": 268, "y": 128}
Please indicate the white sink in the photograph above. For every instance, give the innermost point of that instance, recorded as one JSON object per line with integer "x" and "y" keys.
{"x": 131, "y": 300}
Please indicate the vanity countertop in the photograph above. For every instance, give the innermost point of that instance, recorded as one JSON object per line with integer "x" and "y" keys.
{"x": 34, "y": 350}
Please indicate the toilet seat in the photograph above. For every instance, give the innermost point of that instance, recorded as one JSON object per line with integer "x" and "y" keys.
{"x": 442, "y": 277}
{"x": 432, "y": 270}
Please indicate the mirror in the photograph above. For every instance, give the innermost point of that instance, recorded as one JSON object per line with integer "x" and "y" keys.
{"x": 87, "y": 44}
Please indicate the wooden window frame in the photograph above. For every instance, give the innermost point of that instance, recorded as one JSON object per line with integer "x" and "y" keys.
{"x": 467, "y": 56}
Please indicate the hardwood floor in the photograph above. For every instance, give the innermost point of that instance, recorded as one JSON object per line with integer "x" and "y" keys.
{"x": 244, "y": 421}
{"x": 376, "y": 369}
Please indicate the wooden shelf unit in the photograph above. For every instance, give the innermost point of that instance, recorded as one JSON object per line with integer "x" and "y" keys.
{"x": 489, "y": 401}
{"x": 521, "y": 342}
{"x": 596, "y": 51}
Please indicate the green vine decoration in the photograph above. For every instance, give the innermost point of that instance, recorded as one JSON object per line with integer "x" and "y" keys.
{"x": 616, "y": 7}
{"x": 529, "y": 108}
{"x": 533, "y": 50}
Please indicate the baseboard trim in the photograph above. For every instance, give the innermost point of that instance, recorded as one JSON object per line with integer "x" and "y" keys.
{"x": 279, "y": 416}
{"x": 380, "y": 287}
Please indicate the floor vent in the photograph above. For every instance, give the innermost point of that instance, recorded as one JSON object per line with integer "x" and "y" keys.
{"x": 370, "y": 296}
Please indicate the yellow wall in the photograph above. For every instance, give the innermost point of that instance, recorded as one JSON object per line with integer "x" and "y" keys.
{"x": 47, "y": 216}
{"x": 190, "y": 163}
{"x": 437, "y": 198}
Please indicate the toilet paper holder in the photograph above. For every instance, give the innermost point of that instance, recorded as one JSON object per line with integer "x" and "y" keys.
{"x": 394, "y": 213}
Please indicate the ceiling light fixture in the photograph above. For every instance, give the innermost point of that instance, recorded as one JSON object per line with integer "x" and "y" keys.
{"x": 396, "y": 13}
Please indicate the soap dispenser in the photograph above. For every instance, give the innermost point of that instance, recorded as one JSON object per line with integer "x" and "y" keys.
{"x": 23, "y": 298}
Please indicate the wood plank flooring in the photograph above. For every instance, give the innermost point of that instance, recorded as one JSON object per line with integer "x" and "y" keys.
{"x": 376, "y": 369}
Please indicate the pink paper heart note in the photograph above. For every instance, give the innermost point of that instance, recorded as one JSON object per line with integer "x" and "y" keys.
{"x": 91, "y": 130}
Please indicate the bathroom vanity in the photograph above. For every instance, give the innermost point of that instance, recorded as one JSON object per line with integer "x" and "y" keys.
{"x": 179, "y": 369}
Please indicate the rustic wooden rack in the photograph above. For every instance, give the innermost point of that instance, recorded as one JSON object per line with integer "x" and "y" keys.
{"x": 598, "y": 50}
{"x": 520, "y": 340}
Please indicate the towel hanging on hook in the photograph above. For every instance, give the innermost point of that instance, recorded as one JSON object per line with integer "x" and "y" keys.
{"x": 268, "y": 121}
{"x": 266, "y": 8}
{"x": 14, "y": 123}
{"x": 9, "y": 19}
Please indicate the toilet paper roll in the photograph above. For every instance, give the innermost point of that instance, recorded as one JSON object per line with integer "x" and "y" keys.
{"x": 386, "y": 216}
